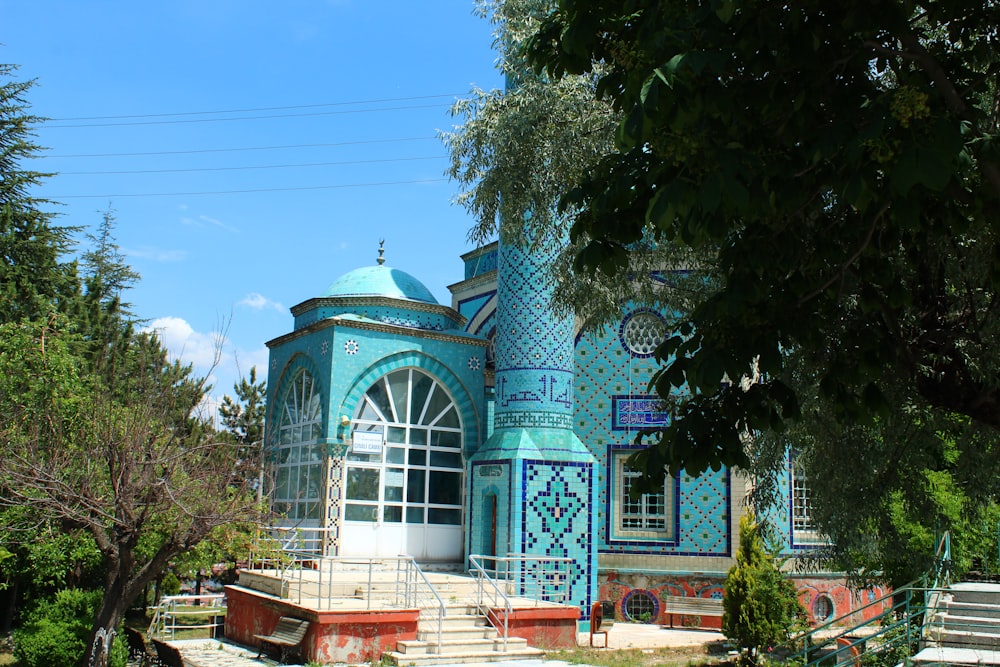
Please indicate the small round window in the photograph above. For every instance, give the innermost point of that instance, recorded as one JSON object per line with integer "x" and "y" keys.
{"x": 641, "y": 332}
{"x": 823, "y": 608}
{"x": 640, "y": 607}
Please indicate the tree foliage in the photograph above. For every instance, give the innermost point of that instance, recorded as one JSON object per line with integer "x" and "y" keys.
{"x": 839, "y": 165}
{"x": 761, "y": 607}
{"x": 98, "y": 434}
{"x": 519, "y": 150}
{"x": 33, "y": 281}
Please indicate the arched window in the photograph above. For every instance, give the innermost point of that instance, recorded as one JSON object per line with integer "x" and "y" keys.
{"x": 298, "y": 458}
{"x": 405, "y": 464}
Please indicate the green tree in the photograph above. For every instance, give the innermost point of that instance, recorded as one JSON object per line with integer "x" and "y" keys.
{"x": 124, "y": 462}
{"x": 243, "y": 420}
{"x": 761, "y": 607}
{"x": 523, "y": 148}
{"x": 33, "y": 280}
{"x": 509, "y": 150}
{"x": 838, "y": 162}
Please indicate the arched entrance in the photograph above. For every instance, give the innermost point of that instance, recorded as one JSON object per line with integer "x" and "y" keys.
{"x": 403, "y": 474}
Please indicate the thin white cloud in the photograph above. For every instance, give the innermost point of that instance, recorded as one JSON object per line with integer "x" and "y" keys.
{"x": 156, "y": 254}
{"x": 206, "y": 221}
{"x": 258, "y": 301}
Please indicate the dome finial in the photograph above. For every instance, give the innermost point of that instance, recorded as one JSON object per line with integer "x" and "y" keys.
{"x": 381, "y": 252}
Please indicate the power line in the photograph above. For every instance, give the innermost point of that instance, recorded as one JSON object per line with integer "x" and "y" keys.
{"x": 236, "y": 192}
{"x": 298, "y": 106}
{"x": 222, "y": 120}
{"x": 251, "y": 148}
{"x": 270, "y": 166}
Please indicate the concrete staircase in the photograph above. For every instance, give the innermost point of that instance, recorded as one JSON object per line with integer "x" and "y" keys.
{"x": 965, "y": 630}
{"x": 465, "y": 637}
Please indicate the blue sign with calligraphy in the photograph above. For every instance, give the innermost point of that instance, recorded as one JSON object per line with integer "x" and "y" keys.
{"x": 635, "y": 412}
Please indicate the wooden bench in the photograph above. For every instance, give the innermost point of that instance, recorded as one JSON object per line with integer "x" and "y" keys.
{"x": 138, "y": 651}
{"x": 167, "y": 655}
{"x": 679, "y": 605}
{"x": 287, "y": 636}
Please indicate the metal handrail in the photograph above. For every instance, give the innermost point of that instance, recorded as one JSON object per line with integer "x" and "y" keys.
{"x": 497, "y": 597}
{"x": 413, "y": 577}
{"x": 164, "y": 626}
{"x": 410, "y": 586}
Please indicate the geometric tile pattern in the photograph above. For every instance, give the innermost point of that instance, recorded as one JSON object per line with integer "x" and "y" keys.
{"x": 534, "y": 347}
{"x": 334, "y": 492}
{"x": 557, "y": 519}
{"x": 532, "y": 420}
{"x": 610, "y": 377}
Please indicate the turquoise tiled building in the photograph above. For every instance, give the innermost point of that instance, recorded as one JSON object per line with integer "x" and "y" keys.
{"x": 398, "y": 425}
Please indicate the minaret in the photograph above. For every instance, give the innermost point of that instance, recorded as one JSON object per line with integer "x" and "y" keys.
{"x": 534, "y": 483}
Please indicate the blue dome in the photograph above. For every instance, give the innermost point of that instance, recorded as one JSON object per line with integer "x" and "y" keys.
{"x": 380, "y": 281}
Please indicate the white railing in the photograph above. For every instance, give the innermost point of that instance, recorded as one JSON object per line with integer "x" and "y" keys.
{"x": 537, "y": 578}
{"x": 172, "y": 609}
{"x": 391, "y": 581}
{"x": 492, "y": 601}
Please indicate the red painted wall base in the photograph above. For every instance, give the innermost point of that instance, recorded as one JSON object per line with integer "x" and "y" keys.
{"x": 542, "y": 627}
{"x": 353, "y": 636}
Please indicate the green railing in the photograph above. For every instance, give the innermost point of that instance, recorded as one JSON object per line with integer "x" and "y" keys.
{"x": 895, "y": 623}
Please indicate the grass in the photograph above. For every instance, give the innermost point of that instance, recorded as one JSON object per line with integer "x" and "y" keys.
{"x": 710, "y": 655}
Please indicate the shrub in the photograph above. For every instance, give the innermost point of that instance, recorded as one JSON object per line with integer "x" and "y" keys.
{"x": 761, "y": 607}
{"x": 55, "y": 631}
{"x": 170, "y": 585}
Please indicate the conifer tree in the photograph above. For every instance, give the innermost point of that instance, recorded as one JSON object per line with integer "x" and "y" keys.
{"x": 761, "y": 607}
{"x": 33, "y": 280}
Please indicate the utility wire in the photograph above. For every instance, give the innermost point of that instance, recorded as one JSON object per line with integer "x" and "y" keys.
{"x": 251, "y": 148}
{"x": 298, "y": 106}
{"x": 222, "y": 120}
{"x": 269, "y": 166}
{"x": 235, "y": 192}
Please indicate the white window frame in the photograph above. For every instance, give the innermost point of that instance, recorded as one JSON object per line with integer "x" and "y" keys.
{"x": 654, "y": 516}
{"x": 800, "y": 501}
{"x": 299, "y": 461}
{"x": 409, "y": 430}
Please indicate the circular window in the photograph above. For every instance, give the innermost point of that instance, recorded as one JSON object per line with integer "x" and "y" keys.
{"x": 640, "y": 607}
{"x": 823, "y": 608}
{"x": 641, "y": 332}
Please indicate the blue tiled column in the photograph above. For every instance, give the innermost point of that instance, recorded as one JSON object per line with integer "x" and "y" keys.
{"x": 541, "y": 469}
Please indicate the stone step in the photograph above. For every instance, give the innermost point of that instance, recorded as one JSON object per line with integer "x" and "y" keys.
{"x": 954, "y": 638}
{"x": 464, "y": 657}
{"x": 940, "y": 655}
{"x": 975, "y": 609}
{"x": 417, "y": 647}
{"x": 975, "y": 593}
{"x": 467, "y": 632}
{"x": 966, "y": 621}
{"x": 453, "y": 619}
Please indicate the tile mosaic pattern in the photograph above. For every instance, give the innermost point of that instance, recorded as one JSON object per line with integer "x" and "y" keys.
{"x": 334, "y": 492}
{"x": 534, "y": 348}
{"x": 607, "y": 374}
{"x": 557, "y": 519}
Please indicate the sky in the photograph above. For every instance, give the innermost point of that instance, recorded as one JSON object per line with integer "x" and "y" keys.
{"x": 252, "y": 151}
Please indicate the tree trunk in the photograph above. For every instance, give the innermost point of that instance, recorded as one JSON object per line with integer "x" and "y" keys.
{"x": 106, "y": 623}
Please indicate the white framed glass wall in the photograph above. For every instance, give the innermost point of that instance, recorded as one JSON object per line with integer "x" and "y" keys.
{"x": 298, "y": 460}
{"x": 404, "y": 470}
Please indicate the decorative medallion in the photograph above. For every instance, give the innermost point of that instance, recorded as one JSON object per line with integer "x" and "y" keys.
{"x": 641, "y": 332}
{"x": 351, "y": 347}
{"x": 474, "y": 363}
